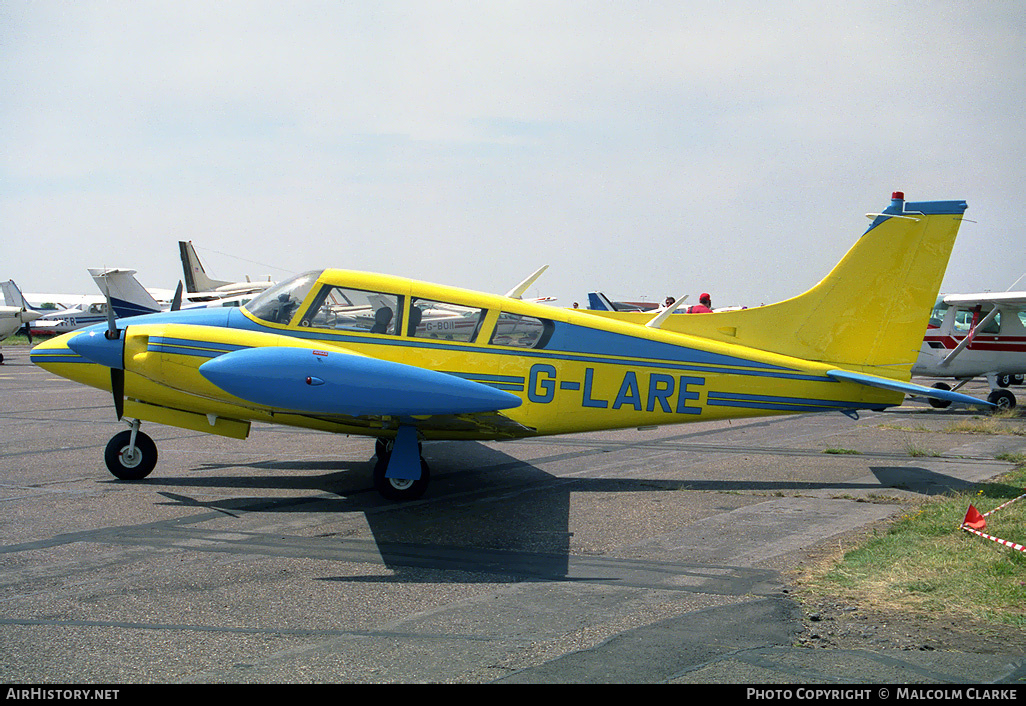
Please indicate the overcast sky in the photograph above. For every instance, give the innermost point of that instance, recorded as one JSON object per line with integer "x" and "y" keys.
{"x": 639, "y": 148}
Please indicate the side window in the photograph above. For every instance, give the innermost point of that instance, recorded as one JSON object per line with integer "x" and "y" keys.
{"x": 345, "y": 309}
{"x": 964, "y": 322}
{"x": 937, "y": 316}
{"x": 994, "y": 326}
{"x": 441, "y": 320}
{"x": 521, "y": 331}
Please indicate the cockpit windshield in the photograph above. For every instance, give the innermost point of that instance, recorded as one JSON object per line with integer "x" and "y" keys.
{"x": 278, "y": 304}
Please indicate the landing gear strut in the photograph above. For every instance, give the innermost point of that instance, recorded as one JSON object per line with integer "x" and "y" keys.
{"x": 131, "y": 454}
{"x": 400, "y": 472}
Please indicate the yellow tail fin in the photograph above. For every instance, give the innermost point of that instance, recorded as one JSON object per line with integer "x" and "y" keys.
{"x": 872, "y": 309}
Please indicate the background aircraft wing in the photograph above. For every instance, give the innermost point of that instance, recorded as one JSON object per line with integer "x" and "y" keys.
{"x": 1002, "y": 299}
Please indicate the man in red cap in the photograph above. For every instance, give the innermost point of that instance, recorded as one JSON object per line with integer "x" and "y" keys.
{"x": 704, "y": 305}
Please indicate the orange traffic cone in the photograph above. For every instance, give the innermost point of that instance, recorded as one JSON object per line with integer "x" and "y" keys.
{"x": 974, "y": 519}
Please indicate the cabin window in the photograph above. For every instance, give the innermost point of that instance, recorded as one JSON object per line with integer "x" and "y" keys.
{"x": 345, "y": 309}
{"x": 278, "y": 304}
{"x": 521, "y": 331}
{"x": 444, "y": 321}
{"x": 964, "y": 322}
{"x": 937, "y": 315}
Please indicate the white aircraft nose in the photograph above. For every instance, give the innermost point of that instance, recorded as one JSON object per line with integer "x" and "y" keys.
{"x": 27, "y": 315}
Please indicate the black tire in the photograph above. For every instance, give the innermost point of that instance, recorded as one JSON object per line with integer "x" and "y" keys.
{"x": 1002, "y": 399}
{"x": 137, "y": 467}
{"x": 396, "y": 489}
{"x": 1018, "y": 379}
{"x": 1004, "y": 380}
{"x": 940, "y": 404}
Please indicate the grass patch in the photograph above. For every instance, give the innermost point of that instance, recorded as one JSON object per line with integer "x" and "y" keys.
{"x": 847, "y": 452}
{"x": 904, "y": 427}
{"x": 987, "y": 425}
{"x": 916, "y": 449}
{"x": 924, "y": 563}
{"x": 19, "y": 339}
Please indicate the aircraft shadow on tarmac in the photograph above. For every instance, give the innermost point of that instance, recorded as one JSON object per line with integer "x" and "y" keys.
{"x": 487, "y": 514}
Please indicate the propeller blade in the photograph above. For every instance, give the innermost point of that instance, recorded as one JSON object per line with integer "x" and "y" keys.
{"x": 27, "y": 330}
{"x": 112, "y": 329}
{"x": 117, "y": 386}
{"x": 176, "y": 303}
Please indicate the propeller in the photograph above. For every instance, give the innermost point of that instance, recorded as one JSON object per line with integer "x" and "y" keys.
{"x": 26, "y": 329}
{"x": 117, "y": 375}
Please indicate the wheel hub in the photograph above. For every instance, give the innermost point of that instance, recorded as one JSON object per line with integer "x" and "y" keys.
{"x": 400, "y": 483}
{"x": 130, "y": 458}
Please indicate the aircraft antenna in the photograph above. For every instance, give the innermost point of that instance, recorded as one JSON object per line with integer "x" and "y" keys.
{"x": 518, "y": 291}
{"x": 1016, "y": 282}
{"x": 659, "y": 318}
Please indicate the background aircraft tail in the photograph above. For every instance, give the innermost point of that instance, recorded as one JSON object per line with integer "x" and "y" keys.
{"x": 13, "y": 296}
{"x": 196, "y": 279}
{"x": 127, "y": 296}
{"x": 870, "y": 312}
{"x": 597, "y": 301}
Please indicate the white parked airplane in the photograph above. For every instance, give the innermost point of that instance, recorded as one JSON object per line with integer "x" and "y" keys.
{"x": 974, "y": 335}
{"x": 15, "y": 313}
{"x": 71, "y": 318}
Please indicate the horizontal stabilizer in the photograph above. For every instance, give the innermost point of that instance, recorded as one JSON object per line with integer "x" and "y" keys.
{"x": 908, "y": 388}
{"x": 337, "y": 382}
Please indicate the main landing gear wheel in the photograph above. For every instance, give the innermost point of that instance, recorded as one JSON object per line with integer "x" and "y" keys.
{"x": 127, "y": 463}
{"x": 940, "y": 404}
{"x": 399, "y": 489}
{"x": 1002, "y": 399}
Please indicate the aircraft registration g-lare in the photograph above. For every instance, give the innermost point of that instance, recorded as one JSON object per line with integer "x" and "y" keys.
{"x": 404, "y": 361}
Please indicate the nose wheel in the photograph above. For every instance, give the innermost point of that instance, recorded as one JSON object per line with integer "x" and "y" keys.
{"x": 131, "y": 454}
{"x": 399, "y": 489}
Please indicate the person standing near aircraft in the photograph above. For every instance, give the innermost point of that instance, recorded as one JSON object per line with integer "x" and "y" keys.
{"x": 704, "y": 305}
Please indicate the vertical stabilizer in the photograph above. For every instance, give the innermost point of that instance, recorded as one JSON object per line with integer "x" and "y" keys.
{"x": 196, "y": 279}
{"x": 869, "y": 312}
{"x": 597, "y": 301}
{"x": 13, "y": 295}
{"x": 127, "y": 296}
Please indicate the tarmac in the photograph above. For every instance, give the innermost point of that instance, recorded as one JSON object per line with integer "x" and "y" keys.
{"x": 641, "y": 556}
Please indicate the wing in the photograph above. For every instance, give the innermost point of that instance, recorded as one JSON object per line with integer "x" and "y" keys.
{"x": 1000, "y": 299}
{"x": 908, "y": 388}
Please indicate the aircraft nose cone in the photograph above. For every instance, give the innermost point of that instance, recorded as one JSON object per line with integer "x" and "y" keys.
{"x": 95, "y": 346}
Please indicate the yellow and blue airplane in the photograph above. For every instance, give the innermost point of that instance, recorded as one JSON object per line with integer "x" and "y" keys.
{"x": 404, "y": 361}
